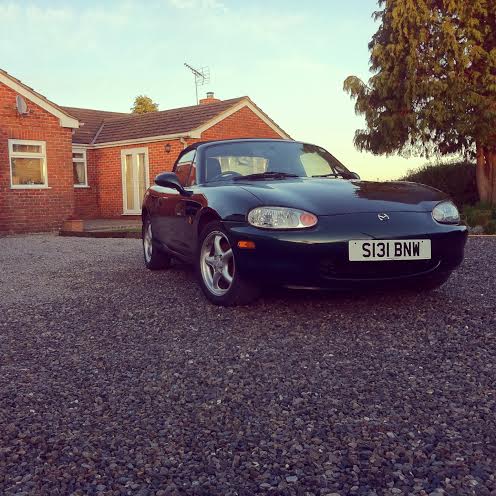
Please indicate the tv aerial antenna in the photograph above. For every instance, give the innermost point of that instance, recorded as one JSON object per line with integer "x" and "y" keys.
{"x": 202, "y": 77}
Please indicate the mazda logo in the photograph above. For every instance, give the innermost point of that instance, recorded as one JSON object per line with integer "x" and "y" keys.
{"x": 383, "y": 217}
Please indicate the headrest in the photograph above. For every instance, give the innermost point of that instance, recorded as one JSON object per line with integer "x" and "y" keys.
{"x": 212, "y": 169}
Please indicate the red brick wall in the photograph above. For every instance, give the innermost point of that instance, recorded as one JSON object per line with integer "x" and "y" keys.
{"x": 242, "y": 124}
{"x": 31, "y": 210}
{"x": 28, "y": 210}
{"x": 110, "y": 199}
{"x": 86, "y": 199}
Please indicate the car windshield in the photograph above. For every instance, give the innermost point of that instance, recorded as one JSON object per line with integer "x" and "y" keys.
{"x": 227, "y": 161}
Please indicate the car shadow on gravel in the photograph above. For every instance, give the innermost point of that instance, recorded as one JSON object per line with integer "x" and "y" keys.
{"x": 364, "y": 300}
{"x": 369, "y": 297}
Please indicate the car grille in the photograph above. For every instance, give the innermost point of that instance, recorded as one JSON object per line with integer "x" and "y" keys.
{"x": 344, "y": 269}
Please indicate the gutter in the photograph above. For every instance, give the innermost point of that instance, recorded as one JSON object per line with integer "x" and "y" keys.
{"x": 137, "y": 141}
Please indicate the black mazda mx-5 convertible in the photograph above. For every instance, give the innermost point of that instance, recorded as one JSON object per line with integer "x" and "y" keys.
{"x": 254, "y": 212}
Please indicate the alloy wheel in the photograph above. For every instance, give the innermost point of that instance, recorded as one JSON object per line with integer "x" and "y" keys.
{"x": 148, "y": 242}
{"x": 217, "y": 263}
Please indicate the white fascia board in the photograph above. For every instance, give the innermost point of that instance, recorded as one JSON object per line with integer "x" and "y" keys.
{"x": 65, "y": 120}
{"x": 243, "y": 103}
{"x": 150, "y": 139}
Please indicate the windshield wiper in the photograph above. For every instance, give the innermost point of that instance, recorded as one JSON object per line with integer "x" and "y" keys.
{"x": 331, "y": 174}
{"x": 266, "y": 175}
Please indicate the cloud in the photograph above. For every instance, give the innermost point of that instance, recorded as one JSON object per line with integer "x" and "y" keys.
{"x": 37, "y": 27}
{"x": 31, "y": 14}
{"x": 197, "y": 4}
{"x": 253, "y": 24}
{"x": 14, "y": 11}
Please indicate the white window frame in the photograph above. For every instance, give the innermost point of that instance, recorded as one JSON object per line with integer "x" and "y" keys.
{"x": 85, "y": 162}
{"x": 134, "y": 152}
{"x": 42, "y": 155}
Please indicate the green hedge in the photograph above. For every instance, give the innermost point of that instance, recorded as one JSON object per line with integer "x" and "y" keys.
{"x": 480, "y": 215}
{"x": 457, "y": 179}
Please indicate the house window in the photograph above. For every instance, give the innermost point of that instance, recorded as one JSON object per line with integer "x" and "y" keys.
{"x": 79, "y": 168}
{"x": 28, "y": 168}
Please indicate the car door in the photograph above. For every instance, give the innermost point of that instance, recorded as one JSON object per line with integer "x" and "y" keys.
{"x": 186, "y": 210}
{"x": 165, "y": 224}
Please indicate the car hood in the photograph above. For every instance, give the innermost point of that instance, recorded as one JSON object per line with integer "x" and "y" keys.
{"x": 329, "y": 196}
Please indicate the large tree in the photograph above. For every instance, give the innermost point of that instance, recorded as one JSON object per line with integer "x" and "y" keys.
{"x": 433, "y": 83}
{"x": 143, "y": 104}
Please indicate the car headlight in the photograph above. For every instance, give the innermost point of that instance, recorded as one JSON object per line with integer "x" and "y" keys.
{"x": 281, "y": 218}
{"x": 446, "y": 213}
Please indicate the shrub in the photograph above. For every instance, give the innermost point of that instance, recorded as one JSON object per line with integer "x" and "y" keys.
{"x": 457, "y": 179}
{"x": 480, "y": 215}
{"x": 490, "y": 227}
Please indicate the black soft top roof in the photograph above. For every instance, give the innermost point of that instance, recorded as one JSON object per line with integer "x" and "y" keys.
{"x": 194, "y": 146}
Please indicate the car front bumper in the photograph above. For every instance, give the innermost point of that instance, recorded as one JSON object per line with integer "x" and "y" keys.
{"x": 318, "y": 257}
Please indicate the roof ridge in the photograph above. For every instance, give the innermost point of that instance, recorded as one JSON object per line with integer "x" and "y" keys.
{"x": 117, "y": 127}
{"x": 94, "y": 110}
{"x": 200, "y": 105}
{"x": 131, "y": 114}
{"x": 162, "y": 122}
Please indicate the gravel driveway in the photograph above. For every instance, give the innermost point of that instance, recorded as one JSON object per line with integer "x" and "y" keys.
{"x": 116, "y": 380}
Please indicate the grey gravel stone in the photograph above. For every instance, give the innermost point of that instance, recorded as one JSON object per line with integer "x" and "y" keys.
{"x": 121, "y": 381}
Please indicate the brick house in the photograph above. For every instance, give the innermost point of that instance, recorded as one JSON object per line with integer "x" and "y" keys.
{"x": 64, "y": 162}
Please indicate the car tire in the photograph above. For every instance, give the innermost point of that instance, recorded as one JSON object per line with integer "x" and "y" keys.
{"x": 219, "y": 280}
{"x": 431, "y": 283}
{"x": 155, "y": 259}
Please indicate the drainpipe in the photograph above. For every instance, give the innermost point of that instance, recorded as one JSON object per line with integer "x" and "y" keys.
{"x": 183, "y": 142}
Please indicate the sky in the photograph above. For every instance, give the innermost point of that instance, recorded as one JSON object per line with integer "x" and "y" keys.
{"x": 290, "y": 57}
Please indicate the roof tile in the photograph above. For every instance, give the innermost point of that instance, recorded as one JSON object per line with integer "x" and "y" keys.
{"x": 106, "y": 127}
{"x": 90, "y": 122}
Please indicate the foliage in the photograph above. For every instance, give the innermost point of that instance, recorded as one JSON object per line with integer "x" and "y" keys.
{"x": 490, "y": 227}
{"x": 143, "y": 104}
{"x": 480, "y": 214}
{"x": 433, "y": 87}
{"x": 457, "y": 179}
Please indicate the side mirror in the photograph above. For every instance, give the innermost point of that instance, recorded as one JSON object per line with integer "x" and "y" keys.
{"x": 355, "y": 175}
{"x": 170, "y": 180}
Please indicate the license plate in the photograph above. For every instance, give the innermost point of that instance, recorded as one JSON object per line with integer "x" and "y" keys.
{"x": 400, "y": 249}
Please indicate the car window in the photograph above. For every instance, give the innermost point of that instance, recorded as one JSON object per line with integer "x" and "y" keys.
{"x": 192, "y": 174}
{"x": 184, "y": 169}
{"x": 255, "y": 157}
{"x": 314, "y": 164}
{"x": 187, "y": 157}
{"x": 243, "y": 165}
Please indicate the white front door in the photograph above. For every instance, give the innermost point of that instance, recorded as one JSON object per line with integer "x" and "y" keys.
{"x": 135, "y": 180}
